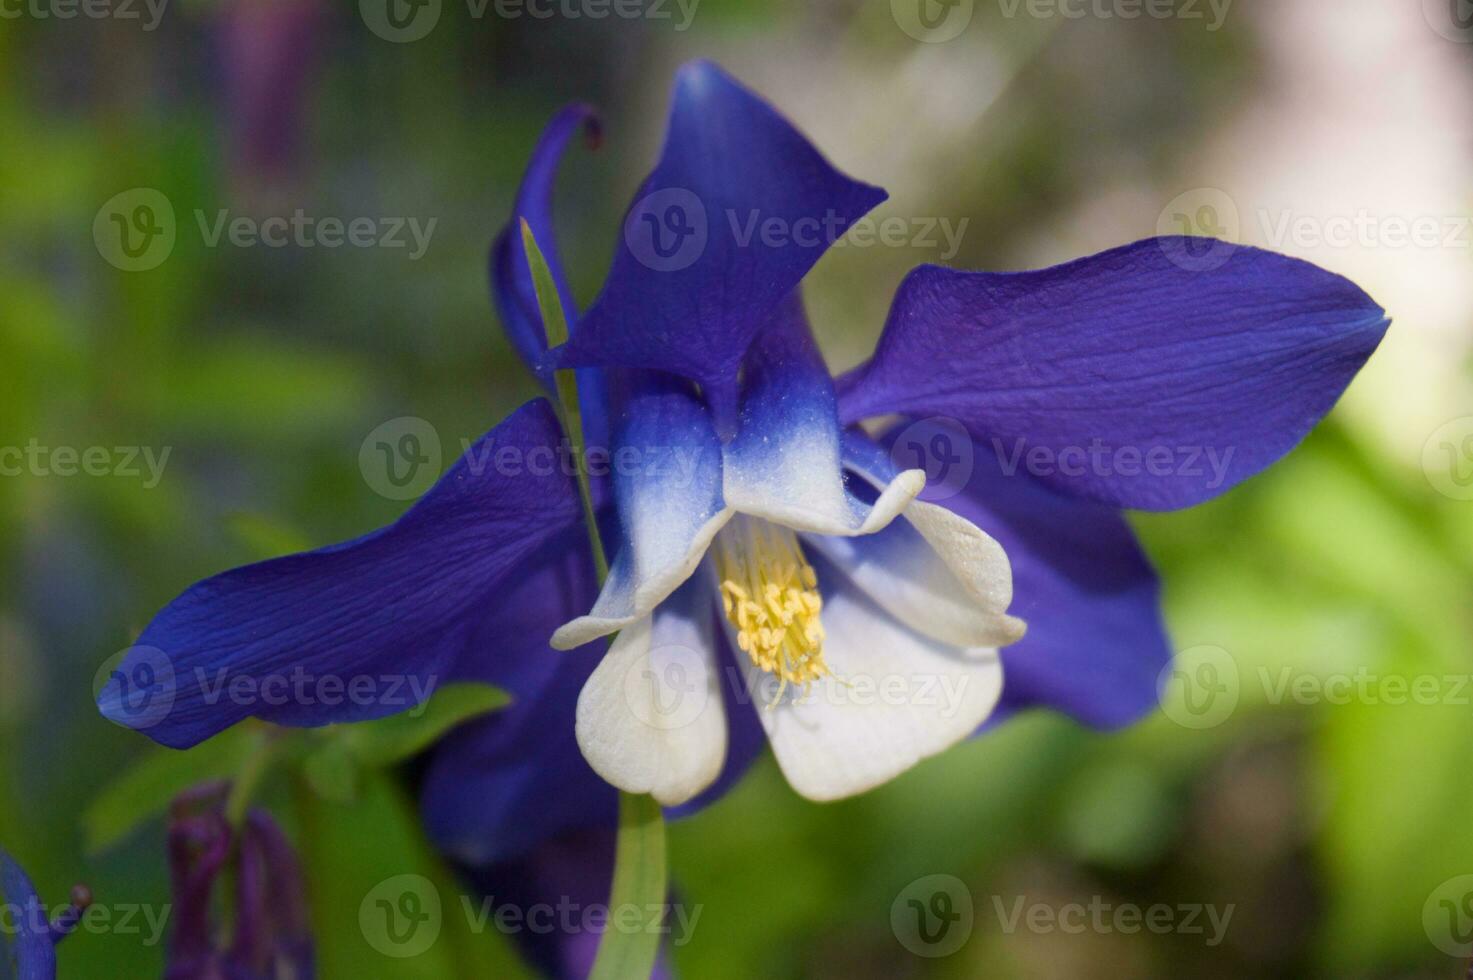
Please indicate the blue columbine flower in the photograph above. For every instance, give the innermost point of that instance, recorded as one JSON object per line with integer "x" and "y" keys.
{"x": 777, "y": 575}
{"x": 28, "y": 933}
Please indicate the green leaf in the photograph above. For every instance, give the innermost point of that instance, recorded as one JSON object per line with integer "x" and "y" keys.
{"x": 639, "y": 883}
{"x": 397, "y": 737}
{"x": 145, "y": 791}
{"x": 333, "y": 767}
{"x": 365, "y": 863}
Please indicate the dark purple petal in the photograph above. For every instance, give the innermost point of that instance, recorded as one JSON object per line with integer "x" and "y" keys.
{"x": 26, "y": 945}
{"x": 511, "y": 279}
{"x": 271, "y": 930}
{"x": 356, "y": 630}
{"x": 1128, "y": 377}
{"x": 199, "y": 847}
{"x": 498, "y": 787}
{"x": 694, "y": 274}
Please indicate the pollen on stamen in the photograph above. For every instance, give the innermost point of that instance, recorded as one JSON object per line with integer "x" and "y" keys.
{"x": 770, "y": 594}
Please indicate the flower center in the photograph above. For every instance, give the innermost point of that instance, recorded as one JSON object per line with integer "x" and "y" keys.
{"x": 771, "y": 596}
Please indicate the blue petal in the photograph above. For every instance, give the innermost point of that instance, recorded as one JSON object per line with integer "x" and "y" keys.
{"x": 357, "y": 630}
{"x": 1126, "y": 378}
{"x": 511, "y": 279}
{"x": 512, "y": 289}
{"x": 26, "y": 948}
{"x": 694, "y": 276}
{"x": 784, "y": 464}
{"x": 496, "y": 788}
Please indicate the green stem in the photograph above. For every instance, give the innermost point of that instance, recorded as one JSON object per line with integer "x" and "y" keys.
{"x": 639, "y": 857}
{"x": 243, "y": 787}
{"x": 639, "y": 884}
{"x": 555, "y": 323}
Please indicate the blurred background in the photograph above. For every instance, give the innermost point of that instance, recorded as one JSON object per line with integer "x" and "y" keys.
{"x": 1325, "y": 803}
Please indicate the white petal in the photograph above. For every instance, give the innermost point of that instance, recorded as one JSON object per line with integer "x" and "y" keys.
{"x": 651, "y": 718}
{"x": 935, "y": 571}
{"x": 896, "y": 697}
{"x": 651, "y": 566}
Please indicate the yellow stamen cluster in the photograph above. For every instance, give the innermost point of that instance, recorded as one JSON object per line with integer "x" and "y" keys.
{"x": 771, "y": 596}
